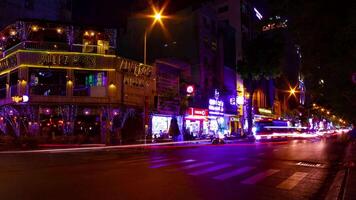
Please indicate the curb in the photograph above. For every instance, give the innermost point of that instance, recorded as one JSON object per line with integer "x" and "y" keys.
{"x": 86, "y": 149}
{"x": 338, "y": 188}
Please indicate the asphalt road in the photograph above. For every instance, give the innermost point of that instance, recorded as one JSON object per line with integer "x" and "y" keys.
{"x": 299, "y": 169}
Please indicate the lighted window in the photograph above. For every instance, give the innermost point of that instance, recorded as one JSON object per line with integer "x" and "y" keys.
{"x": 90, "y": 83}
{"x": 47, "y": 82}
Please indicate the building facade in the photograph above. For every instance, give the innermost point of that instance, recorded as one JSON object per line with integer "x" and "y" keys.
{"x": 62, "y": 80}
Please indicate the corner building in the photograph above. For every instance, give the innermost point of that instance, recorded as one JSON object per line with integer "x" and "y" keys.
{"x": 59, "y": 80}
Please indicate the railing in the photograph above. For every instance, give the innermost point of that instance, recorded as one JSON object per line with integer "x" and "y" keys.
{"x": 49, "y": 90}
{"x": 81, "y": 91}
{"x": 59, "y": 46}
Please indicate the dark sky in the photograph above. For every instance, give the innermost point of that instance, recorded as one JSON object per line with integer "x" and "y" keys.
{"x": 112, "y": 13}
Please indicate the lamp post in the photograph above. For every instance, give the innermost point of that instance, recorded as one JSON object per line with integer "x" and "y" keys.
{"x": 157, "y": 16}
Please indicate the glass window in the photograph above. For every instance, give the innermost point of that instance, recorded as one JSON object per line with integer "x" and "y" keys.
{"x": 14, "y": 77}
{"x": 47, "y": 82}
{"x": 3, "y": 80}
{"x": 90, "y": 83}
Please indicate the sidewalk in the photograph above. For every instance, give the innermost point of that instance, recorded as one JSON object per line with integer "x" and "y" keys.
{"x": 350, "y": 182}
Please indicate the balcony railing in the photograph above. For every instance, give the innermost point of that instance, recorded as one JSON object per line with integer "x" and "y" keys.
{"x": 58, "y": 46}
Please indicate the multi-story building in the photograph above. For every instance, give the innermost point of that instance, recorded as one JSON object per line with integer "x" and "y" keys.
{"x": 244, "y": 18}
{"x": 54, "y": 10}
{"x": 60, "y": 79}
{"x": 193, "y": 36}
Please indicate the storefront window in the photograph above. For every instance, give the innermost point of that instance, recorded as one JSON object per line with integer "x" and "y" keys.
{"x": 14, "y": 77}
{"x": 3, "y": 80}
{"x": 47, "y": 82}
{"x": 90, "y": 83}
{"x": 160, "y": 125}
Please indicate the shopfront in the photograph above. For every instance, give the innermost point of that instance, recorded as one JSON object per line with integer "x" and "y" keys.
{"x": 160, "y": 125}
{"x": 196, "y": 122}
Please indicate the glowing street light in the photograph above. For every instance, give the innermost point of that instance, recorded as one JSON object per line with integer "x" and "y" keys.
{"x": 157, "y": 16}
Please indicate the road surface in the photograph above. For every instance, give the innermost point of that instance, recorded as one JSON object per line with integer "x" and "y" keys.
{"x": 296, "y": 169}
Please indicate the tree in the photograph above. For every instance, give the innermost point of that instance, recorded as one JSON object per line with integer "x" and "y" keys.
{"x": 263, "y": 59}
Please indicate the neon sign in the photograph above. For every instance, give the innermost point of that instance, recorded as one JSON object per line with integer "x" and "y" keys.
{"x": 216, "y": 107}
{"x": 19, "y": 99}
{"x": 258, "y": 14}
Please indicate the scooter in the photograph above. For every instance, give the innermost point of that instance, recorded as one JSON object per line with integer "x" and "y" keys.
{"x": 215, "y": 139}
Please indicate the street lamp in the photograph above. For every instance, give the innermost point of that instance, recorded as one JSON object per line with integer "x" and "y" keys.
{"x": 292, "y": 91}
{"x": 157, "y": 16}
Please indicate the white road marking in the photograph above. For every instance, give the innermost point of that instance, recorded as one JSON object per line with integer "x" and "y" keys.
{"x": 161, "y": 160}
{"x": 259, "y": 177}
{"x": 170, "y": 163}
{"x": 210, "y": 169}
{"x": 197, "y": 165}
{"x": 292, "y": 181}
{"x": 233, "y": 173}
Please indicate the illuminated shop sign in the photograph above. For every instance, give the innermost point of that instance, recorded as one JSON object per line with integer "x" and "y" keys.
{"x": 216, "y": 107}
{"x": 239, "y": 100}
{"x": 20, "y": 99}
{"x": 134, "y": 68}
{"x": 276, "y": 25}
{"x": 68, "y": 60}
{"x": 198, "y": 112}
{"x": 264, "y": 111}
{"x": 258, "y": 14}
{"x": 8, "y": 62}
{"x": 190, "y": 89}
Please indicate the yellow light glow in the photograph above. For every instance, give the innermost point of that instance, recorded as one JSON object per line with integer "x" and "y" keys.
{"x": 56, "y": 52}
{"x": 59, "y": 30}
{"x": 292, "y": 91}
{"x": 69, "y": 82}
{"x": 92, "y": 33}
{"x": 112, "y": 86}
{"x": 328, "y": 113}
{"x": 322, "y": 109}
{"x": 34, "y": 28}
{"x": 86, "y": 33}
{"x": 13, "y": 32}
{"x": 158, "y": 16}
{"x": 314, "y": 104}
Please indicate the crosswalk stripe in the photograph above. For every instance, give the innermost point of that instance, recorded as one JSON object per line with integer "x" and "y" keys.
{"x": 132, "y": 161}
{"x": 135, "y": 161}
{"x": 161, "y": 160}
{"x": 188, "y": 161}
{"x": 210, "y": 169}
{"x": 197, "y": 165}
{"x": 292, "y": 181}
{"x": 170, "y": 163}
{"x": 260, "y": 176}
{"x": 233, "y": 173}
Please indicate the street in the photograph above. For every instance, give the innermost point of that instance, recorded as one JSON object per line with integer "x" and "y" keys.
{"x": 295, "y": 169}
